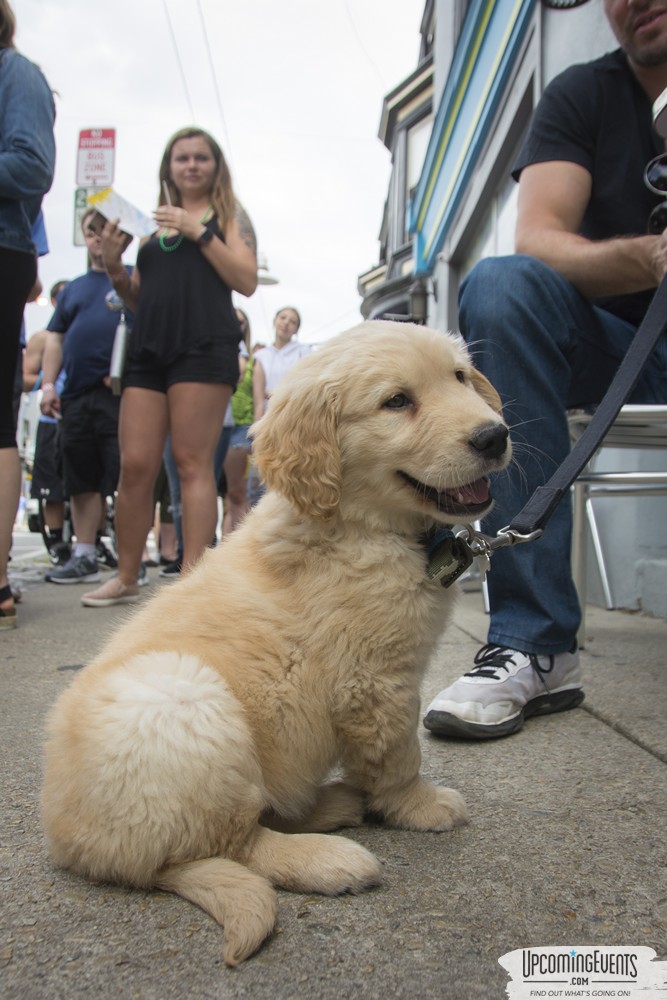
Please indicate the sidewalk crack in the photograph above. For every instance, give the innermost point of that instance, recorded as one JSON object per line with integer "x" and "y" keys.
{"x": 623, "y": 730}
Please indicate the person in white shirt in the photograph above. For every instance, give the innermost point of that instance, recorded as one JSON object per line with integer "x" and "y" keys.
{"x": 272, "y": 362}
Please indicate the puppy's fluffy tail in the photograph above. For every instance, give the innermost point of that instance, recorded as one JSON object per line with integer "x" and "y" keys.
{"x": 243, "y": 902}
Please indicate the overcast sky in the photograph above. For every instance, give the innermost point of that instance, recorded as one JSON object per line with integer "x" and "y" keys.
{"x": 292, "y": 90}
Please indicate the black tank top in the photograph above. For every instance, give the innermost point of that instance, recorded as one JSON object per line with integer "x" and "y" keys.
{"x": 183, "y": 304}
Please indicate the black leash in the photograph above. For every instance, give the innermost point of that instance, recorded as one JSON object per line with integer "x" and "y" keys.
{"x": 545, "y": 499}
{"x": 529, "y": 523}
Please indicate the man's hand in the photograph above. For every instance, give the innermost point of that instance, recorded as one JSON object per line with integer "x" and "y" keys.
{"x": 114, "y": 243}
{"x": 659, "y": 257}
{"x": 50, "y": 401}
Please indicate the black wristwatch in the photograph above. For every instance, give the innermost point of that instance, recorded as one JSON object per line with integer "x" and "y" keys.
{"x": 205, "y": 237}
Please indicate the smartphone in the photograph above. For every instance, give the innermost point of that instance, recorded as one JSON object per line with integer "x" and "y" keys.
{"x": 96, "y": 222}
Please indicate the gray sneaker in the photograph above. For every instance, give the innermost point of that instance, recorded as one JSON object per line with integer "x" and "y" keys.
{"x": 504, "y": 688}
{"x": 78, "y": 569}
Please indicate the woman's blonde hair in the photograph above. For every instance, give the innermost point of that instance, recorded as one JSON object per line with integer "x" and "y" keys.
{"x": 7, "y": 25}
{"x": 223, "y": 200}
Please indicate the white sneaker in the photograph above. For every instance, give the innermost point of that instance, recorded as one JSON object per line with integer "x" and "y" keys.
{"x": 504, "y": 688}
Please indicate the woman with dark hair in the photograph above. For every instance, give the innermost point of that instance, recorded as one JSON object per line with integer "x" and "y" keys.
{"x": 182, "y": 363}
{"x": 27, "y": 161}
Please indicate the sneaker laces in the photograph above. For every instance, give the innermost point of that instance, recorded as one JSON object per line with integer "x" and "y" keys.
{"x": 491, "y": 659}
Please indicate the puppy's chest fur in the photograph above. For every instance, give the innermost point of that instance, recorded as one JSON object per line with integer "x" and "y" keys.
{"x": 350, "y": 668}
{"x": 386, "y": 610}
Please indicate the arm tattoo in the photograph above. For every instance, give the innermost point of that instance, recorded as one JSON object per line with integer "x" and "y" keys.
{"x": 246, "y": 231}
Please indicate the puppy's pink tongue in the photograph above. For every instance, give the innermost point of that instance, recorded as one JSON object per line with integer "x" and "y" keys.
{"x": 472, "y": 493}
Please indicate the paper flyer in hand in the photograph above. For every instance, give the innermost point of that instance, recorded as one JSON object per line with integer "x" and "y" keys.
{"x": 130, "y": 219}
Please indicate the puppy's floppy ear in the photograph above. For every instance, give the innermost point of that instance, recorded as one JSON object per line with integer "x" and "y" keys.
{"x": 484, "y": 389}
{"x": 295, "y": 446}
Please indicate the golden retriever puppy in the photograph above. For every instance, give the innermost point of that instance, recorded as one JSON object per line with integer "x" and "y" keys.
{"x": 195, "y": 753}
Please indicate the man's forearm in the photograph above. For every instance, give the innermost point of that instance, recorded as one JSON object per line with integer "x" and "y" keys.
{"x": 620, "y": 266}
{"x": 53, "y": 359}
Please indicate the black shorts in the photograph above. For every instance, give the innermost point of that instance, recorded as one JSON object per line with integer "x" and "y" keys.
{"x": 218, "y": 364}
{"x": 47, "y": 469}
{"x": 17, "y": 276}
{"x": 91, "y": 456}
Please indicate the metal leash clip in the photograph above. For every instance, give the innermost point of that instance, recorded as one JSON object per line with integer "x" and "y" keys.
{"x": 482, "y": 546}
{"x": 449, "y": 555}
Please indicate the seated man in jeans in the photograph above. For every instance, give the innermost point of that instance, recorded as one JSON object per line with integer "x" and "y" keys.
{"x": 549, "y": 328}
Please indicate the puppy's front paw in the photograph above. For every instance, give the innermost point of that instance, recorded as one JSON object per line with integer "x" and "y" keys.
{"x": 349, "y": 867}
{"x": 314, "y": 862}
{"x": 430, "y": 807}
{"x": 330, "y": 865}
{"x": 449, "y": 809}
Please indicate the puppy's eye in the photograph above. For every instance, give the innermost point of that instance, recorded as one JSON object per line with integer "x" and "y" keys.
{"x": 460, "y": 376}
{"x": 398, "y": 402}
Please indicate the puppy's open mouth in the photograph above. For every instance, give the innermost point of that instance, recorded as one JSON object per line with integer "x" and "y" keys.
{"x": 470, "y": 500}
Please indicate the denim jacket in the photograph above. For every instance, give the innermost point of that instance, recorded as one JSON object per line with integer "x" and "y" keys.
{"x": 27, "y": 147}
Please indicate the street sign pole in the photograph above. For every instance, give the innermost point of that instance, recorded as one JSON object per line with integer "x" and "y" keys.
{"x": 80, "y": 206}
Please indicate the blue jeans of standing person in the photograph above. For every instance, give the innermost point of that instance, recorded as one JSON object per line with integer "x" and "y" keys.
{"x": 545, "y": 348}
{"x": 221, "y": 452}
{"x": 174, "y": 481}
{"x": 175, "y": 506}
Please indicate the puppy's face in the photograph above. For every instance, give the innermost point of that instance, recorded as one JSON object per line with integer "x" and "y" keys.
{"x": 424, "y": 433}
{"x": 398, "y": 423}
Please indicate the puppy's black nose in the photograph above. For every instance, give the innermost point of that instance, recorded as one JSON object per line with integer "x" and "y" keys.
{"x": 490, "y": 440}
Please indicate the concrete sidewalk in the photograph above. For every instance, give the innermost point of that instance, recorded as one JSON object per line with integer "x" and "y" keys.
{"x": 566, "y": 845}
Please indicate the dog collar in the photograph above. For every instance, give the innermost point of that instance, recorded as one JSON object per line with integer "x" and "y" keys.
{"x": 447, "y": 557}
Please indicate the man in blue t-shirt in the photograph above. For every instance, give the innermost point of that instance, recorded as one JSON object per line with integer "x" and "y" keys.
{"x": 80, "y": 341}
{"x": 549, "y": 327}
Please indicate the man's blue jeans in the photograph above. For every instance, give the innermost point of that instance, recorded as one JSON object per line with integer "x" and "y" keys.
{"x": 545, "y": 348}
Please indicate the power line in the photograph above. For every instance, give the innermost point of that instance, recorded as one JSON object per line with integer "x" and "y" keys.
{"x": 178, "y": 60}
{"x": 362, "y": 46}
{"x": 216, "y": 85}
{"x": 338, "y": 321}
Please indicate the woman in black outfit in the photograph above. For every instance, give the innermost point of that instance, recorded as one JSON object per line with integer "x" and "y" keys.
{"x": 27, "y": 161}
{"x": 182, "y": 364}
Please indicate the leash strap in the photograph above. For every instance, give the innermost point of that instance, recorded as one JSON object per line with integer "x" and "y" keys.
{"x": 535, "y": 514}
